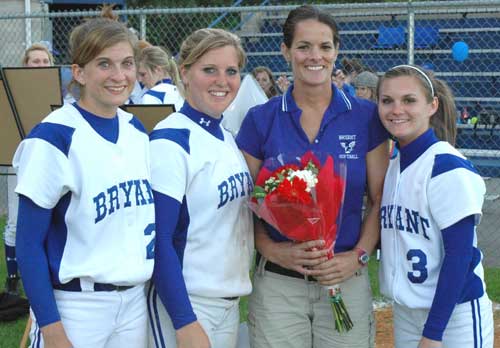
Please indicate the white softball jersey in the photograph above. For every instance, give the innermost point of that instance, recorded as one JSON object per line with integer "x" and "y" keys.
{"x": 430, "y": 192}
{"x": 197, "y": 162}
{"x": 103, "y": 225}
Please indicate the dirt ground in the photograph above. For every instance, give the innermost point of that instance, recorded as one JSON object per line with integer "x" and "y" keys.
{"x": 385, "y": 339}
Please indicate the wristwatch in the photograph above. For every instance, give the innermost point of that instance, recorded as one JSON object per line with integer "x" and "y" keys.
{"x": 363, "y": 256}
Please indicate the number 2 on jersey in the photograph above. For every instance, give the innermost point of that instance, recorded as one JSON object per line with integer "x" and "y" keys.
{"x": 419, "y": 262}
{"x": 150, "y": 248}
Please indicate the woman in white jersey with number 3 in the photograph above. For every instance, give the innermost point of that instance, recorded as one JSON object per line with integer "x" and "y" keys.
{"x": 431, "y": 205}
{"x": 85, "y": 236}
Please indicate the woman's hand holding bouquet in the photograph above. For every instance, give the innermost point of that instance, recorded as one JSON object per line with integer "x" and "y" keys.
{"x": 301, "y": 257}
{"x": 337, "y": 269}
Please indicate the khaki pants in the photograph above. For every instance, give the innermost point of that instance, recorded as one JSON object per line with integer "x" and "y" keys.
{"x": 287, "y": 312}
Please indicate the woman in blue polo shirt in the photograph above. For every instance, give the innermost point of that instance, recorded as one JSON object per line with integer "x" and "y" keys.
{"x": 289, "y": 305}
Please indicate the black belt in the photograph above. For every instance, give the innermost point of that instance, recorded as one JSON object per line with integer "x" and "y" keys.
{"x": 275, "y": 268}
{"x": 74, "y": 285}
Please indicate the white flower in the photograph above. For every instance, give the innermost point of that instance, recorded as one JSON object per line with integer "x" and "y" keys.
{"x": 308, "y": 176}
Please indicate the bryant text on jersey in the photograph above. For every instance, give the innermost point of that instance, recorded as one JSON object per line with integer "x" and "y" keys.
{"x": 106, "y": 203}
{"x": 404, "y": 219}
{"x": 237, "y": 184}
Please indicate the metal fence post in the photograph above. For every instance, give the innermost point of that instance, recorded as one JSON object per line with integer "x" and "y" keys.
{"x": 143, "y": 26}
{"x": 27, "y": 23}
{"x": 411, "y": 34}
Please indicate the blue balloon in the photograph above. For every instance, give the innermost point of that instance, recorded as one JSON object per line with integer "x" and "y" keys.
{"x": 460, "y": 51}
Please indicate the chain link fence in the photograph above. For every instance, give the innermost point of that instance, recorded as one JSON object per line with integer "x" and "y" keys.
{"x": 458, "y": 40}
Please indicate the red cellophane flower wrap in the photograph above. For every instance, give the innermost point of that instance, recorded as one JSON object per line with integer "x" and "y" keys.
{"x": 303, "y": 200}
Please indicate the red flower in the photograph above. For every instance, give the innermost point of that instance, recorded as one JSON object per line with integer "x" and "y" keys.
{"x": 265, "y": 173}
{"x": 294, "y": 191}
{"x": 309, "y": 157}
{"x": 285, "y": 169}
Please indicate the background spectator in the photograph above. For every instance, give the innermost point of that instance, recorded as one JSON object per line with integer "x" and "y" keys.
{"x": 139, "y": 88}
{"x": 350, "y": 69}
{"x": 37, "y": 55}
{"x": 159, "y": 73}
{"x": 264, "y": 77}
{"x": 365, "y": 85}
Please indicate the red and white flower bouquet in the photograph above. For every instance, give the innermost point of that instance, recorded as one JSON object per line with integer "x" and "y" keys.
{"x": 303, "y": 199}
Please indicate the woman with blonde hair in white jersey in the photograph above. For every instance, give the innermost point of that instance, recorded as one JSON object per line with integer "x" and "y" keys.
{"x": 200, "y": 184}
{"x": 159, "y": 74}
{"x": 85, "y": 233}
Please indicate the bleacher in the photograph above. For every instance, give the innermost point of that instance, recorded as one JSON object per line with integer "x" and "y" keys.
{"x": 381, "y": 44}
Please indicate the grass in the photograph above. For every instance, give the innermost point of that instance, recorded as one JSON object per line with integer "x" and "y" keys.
{"x": 11, "y": 332}
{"x": 373, "y": 273}
{"x": 492, "y": 279}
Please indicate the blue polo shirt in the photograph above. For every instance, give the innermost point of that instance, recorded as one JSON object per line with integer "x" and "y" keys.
{"x": 349, "y": 130}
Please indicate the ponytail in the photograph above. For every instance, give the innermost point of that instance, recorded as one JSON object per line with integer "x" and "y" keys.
{"x": 173, "y": 71}
{"x": 444, "y": 119}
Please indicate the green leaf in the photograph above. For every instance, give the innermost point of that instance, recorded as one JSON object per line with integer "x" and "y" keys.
{"x": 259, "y": 192}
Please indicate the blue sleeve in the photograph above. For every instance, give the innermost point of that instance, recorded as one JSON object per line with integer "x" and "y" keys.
{"x": 32, "y": 228}
{"x": 167, "y": 274}
{"x": 458, "y": 241}
{"x": 248, "y": 138}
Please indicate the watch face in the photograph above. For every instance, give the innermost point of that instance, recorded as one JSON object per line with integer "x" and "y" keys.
{"x": 364, "y": 259}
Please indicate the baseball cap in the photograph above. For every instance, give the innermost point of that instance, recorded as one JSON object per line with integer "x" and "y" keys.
{"x": 366, "y": 79}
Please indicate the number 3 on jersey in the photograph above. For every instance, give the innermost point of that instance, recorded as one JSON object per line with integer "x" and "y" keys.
{"x": 418, "y": 261}
{"x": 150, "y": 248}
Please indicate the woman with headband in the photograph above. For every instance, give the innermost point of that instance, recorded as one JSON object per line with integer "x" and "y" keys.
{"x": 431, "y": 205}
